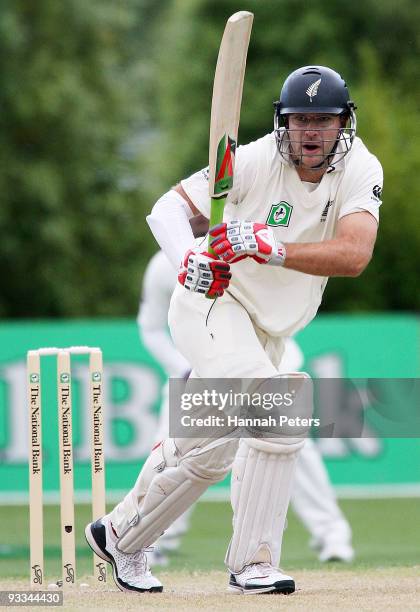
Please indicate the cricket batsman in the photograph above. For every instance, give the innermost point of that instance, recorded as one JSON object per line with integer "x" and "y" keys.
{"x": 304, "y": 207}
{"x": 313, "y": 498}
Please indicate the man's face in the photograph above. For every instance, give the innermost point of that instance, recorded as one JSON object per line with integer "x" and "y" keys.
{"x": 312, "y": 137}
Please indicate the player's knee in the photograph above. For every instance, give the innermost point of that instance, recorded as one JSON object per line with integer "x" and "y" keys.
{"x": 211, "y": 463}
{"x": 287, "y": 400}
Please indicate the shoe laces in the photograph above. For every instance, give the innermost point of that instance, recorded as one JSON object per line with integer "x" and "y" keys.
{"x": 135, "y": 563}
{"x": 139, "y": 562}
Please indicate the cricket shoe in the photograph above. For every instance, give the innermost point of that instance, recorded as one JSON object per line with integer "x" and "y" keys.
{"x": 331, "y": 550}
{"x": 261, "y": 578}
{"x": 334, "y": 545}
{"x": 131, "y": 570}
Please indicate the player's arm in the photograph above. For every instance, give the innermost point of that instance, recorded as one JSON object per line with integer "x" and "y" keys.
{"x": 347, "y": 254}
{"x": 169, "y": 221}
{"x": 199, "y": 271}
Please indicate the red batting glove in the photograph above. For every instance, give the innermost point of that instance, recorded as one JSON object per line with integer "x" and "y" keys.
{"x": 204, "y": 273}
{"x": 238, "y": 239}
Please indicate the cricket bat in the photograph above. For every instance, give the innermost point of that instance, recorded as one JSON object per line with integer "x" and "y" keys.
{"x": 225, "y": 110}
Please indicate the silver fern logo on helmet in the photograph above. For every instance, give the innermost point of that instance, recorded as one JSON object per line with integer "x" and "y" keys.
{"x": 313, "y": 89}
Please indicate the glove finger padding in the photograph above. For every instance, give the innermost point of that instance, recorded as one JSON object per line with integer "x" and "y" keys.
{"x": 228, "y": 243}
{"x": 238, "y": 239}
{"x": 204, "y": 273}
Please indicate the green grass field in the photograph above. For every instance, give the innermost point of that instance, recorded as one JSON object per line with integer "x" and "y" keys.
{"x": 385, "y": 535}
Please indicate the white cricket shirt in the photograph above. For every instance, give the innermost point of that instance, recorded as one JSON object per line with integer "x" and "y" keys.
{"x": 268, "y": 190}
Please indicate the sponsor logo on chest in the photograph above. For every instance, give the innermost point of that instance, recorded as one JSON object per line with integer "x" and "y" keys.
{"x": 280, "y": 214}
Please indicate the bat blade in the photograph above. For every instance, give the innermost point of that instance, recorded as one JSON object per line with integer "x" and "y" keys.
{"x": 225, "y": 109}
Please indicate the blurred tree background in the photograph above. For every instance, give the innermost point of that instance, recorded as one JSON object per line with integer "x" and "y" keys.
{"x": 104, "y": 105}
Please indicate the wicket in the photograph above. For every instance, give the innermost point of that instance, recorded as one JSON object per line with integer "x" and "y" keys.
{"x": 68, "y": 546}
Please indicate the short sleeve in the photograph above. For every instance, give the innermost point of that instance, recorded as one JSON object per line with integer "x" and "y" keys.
{"x": 363, "y": 189}
{"x": 196, "y": 187}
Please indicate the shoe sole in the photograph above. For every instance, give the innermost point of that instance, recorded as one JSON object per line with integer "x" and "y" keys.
{"x": 282, "y": 587}
{"x": 336, "y": 555}
{"x": 110, "y": 559}
{"x": 337, "y": 559}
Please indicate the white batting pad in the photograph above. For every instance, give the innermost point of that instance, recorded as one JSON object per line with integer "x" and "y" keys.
{"x": 169, "y": 496}
{"x": 262, "y": 477}
{"x": 172, "y": 479}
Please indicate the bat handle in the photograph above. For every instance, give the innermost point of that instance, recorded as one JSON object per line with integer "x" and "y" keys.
{"x": 216, "y": 216}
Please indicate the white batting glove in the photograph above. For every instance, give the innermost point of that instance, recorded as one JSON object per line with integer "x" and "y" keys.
{"x": 204, "y": 273}
{"x": 236, "y": 240}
